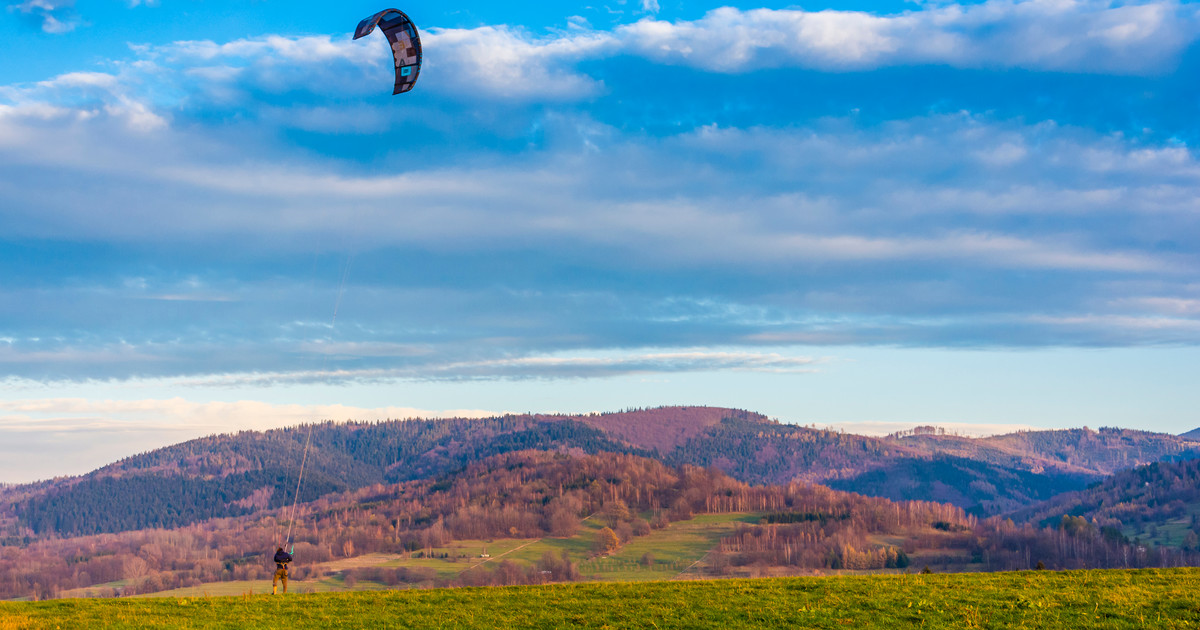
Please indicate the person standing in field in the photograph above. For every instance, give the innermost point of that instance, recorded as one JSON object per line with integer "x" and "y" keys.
{"x": 282, "y": 558}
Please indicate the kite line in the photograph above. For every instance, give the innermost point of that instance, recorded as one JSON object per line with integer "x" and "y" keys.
{"x": 337, "y": 304}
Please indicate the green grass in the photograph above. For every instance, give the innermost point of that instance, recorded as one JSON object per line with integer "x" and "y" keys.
{"x": 251, "y": 587}
{"x": 1166, "y": 598}
{"x": 462, "y": 555}
{"x": 674, "y": 548}
{"x": 95, "y": 590}
{"x": 1171, "y": 533}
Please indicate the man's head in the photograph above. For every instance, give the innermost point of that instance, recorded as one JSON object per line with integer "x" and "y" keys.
{"x": 279, "y": 550}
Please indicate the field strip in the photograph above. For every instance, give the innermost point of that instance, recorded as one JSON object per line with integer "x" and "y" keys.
{"x": 1115, "y": 599}
{"x": 689, "y": 567}
{"x": 500, "y": 556}
{"x": 356, "y": 562}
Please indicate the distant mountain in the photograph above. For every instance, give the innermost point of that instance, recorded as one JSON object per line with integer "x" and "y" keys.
{"x": 1194, "y": 434}
{"x": 985, "y": 475}
{"x": 236, "y": 474}
{"x": 1002, "y": 473}
{"x": 1081, "y": 450}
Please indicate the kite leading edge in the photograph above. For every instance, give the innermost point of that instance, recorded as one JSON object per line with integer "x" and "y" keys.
{"x": 402, "y": 34}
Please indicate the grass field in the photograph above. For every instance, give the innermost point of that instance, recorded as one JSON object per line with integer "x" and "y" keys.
{"x": 1154, "y": 598}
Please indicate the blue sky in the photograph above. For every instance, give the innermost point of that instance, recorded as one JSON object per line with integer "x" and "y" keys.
{"x": 982, "y": 215}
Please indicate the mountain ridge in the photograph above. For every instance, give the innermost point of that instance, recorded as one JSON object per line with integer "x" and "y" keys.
{"x": 574, "y": 507}
{"x": 233, "y": 474}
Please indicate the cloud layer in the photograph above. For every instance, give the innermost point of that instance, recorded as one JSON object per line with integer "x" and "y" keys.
{"x": 1075, "y": 36}
{"x": 664, "y": 195}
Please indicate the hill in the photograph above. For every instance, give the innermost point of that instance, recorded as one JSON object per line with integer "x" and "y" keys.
{"x": 573, "y": 517}
{"x": 1071, "y": 450}
{"x": 1157, "y": 504}
{"x": 985, "y": 475}
{"x": 998, "y": 474}
{"x": 984, "y": 488}
{"x": 237, "y": 474}
{"x": 232, "y": 475}
{"x": 665, "y": 428}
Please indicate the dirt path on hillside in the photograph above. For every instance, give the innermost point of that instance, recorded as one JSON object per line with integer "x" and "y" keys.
{"x": 487, "y": 560}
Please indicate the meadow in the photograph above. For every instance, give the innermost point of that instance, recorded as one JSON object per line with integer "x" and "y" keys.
{"x": 1148, "y": 598}
{"x": 676, "y": 551}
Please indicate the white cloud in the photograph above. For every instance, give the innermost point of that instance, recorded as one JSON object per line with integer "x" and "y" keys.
{"x": 1170, "y": 306}
{"x": 1183, "y": 327}
{"x": 271, "y": 49}
{"x": 575, "y": 365}
{"x": 980, "y": 248}
{"x": 500, "y": 62}
{"x": 634, "y": 362}
{"x": 486, "y": 62}
{"x": 1069, "y": 35}
{"x": 70, "y": 80}
{"x": 56, "y": 16}
{"x": 503, "y": 63}
{"x": 80, "y": 96}
{"x": 731, "y": 40}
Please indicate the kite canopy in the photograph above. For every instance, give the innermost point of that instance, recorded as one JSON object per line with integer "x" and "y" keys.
{"x": 402, "y": 34}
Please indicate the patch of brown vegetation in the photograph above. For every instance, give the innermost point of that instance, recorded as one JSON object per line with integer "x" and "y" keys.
{"x": 664, "y": 428}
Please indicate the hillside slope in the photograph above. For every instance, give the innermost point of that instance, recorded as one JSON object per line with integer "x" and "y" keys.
{"x": 1158, "y": 504}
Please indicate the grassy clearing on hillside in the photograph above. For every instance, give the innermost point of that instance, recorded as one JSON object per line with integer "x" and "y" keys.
{"x": 676, "y": 549}
{"x": 1172, "y": 533}
{"x": 1152, "y": 598}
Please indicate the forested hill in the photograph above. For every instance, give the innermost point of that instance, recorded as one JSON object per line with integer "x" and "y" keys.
{"x": 590, "y": 505}
{"x": 666, "y": 428}
{"x": 1158, "y": 504}
{"x": 999, "y": 474}
{"x": 236, "y": 474}
{"x": 986, "y": 475}
{"x": 1084, "y": 450}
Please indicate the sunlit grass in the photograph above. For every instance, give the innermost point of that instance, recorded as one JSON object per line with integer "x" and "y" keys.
{"x": 1154, "y": 598}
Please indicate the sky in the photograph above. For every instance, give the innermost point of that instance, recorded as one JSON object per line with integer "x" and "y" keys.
{"x": 214, "y": 216}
